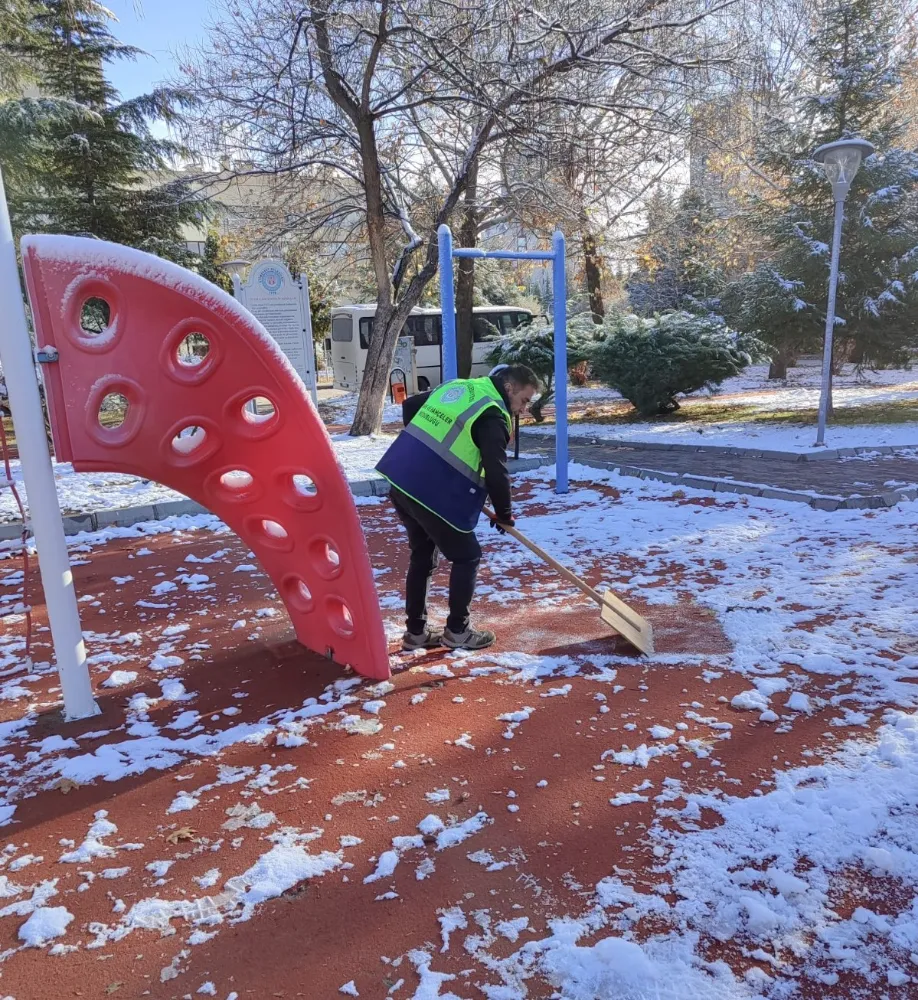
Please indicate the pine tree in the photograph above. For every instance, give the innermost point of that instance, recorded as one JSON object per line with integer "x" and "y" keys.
{"x": 855, "y": 69}
{"x": 652, "y": 287}
{"x": 211, "y": 259}
{"x": 14, "y": 24}
{"x": 677, "y": 261}
{"x": 534, "y": 346}
{"x": 24, "y": 120}
{"x": 97, "y": 170}
{"x": 653, "y": 361}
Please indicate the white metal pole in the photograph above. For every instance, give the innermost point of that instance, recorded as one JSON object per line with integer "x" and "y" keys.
{"x": 559, "y": 314}
{"x": 826, "y": 393}
{"x": 44, "y": 510}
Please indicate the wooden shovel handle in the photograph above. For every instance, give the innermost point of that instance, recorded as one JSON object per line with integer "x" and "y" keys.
{"x": 545, "y": 557}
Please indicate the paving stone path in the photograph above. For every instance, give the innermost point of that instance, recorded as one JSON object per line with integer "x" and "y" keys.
{"x": 828, "y": 483}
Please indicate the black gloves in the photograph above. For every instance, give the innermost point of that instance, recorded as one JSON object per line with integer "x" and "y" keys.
{"x": 502, "y": 524}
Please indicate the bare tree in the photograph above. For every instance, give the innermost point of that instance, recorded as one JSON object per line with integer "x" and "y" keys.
{"x": 592, "y": 173}
{"x": 331, "y": 85}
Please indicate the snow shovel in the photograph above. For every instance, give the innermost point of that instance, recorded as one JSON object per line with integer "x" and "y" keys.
{"x": 615, "y": 613}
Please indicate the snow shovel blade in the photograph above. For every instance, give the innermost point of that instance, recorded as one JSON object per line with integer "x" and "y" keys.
{"x": 627, "y": 622}
{"x": 615, "y": 613}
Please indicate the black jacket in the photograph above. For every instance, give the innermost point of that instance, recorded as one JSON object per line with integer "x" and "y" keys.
{"x": 491, "y": 437}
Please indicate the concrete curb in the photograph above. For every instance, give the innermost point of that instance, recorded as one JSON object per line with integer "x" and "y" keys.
{"x": 126, "y": 516}
{"x": 711, "y": 449}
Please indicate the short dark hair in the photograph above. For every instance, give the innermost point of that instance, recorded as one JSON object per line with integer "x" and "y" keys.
{"x": 519, "y": 375}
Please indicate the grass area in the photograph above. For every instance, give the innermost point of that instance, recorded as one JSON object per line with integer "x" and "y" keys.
{"x": 703, "y": 412}
{"x": 10, "y": 437}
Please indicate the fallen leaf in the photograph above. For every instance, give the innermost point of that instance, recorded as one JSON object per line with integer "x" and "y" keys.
{"x": 113, "y": 987}
{"x": 66, "y": 785}
{"x": 183, "y": 833}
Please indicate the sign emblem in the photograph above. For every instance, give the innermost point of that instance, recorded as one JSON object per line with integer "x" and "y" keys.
{"x": 271, "y": 280}
{"x": 451, "y": 395}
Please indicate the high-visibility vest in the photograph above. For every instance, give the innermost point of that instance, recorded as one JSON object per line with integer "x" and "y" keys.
{"x": 435, "y": 461}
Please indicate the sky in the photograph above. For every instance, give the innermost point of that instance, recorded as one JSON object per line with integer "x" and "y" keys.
{"x": 159, "y": 27}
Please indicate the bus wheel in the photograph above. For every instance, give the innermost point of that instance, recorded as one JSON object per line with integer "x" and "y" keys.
{"x": 423, "y": 384}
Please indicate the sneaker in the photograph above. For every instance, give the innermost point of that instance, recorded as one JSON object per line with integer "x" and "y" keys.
{"x": 426, "y": 640}
{"x": 469, "y": 639}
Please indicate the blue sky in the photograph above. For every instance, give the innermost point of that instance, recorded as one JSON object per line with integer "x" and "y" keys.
{"x": 159, "y": 27}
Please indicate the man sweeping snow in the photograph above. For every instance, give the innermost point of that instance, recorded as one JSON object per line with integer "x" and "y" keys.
{"x": 450, "y": 457}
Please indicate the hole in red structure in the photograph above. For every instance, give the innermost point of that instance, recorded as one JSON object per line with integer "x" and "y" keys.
{"x": 340, "y": 617}
{"x": 193, "y": 349}
{"x": 113, "y": 411}
{"x": 189, "y": 440}
{"x": 268, "y": 532}
{"x": 236, "y": 480}
{"x": 325, "y": 558}
{"x": 298, "y": 594}
{"x": 274, "y": 531}
{"x": 95, "y": 317}
{"x": 303, "y": 486}
{"x": 298, "y": 489}
{"x": 258, "y": 410}
{"x": 236, "y": 486}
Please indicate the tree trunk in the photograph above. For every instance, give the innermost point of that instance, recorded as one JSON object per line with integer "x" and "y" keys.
{"x": 778, "y": 368}
{"x": 465, "y": 283}
{"x": 393, "y": 303}
{"x": 389, "y": 318}
{"x": 536, "y": 410}
{"x": 783, "y": 360}
{"x": 593, "y": 272}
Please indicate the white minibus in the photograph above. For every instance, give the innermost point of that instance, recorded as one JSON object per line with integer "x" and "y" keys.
{"x": 352, "y": 326}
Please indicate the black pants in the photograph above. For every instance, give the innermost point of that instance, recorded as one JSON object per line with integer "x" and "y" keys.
{"x": 427, "y": 536}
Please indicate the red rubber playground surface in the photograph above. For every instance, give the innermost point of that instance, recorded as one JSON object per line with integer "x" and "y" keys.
{"x": 555, "y": 817}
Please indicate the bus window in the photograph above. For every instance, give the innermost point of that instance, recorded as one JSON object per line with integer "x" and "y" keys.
{"x": 342, "y": 329}
{"x": 513, "y": 320}
{"x": 424, "y": 329}
{"x": 366, "y": 332}
{"x": 485, "y": 328}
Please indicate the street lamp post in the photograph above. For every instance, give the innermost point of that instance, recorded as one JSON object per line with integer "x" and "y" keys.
{"x": 841, "y": 161}
{"x": 236, "y": 269}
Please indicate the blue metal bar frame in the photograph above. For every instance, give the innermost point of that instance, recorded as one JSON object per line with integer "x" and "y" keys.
{"x": 448, "y": 358}
{"x": 559, "y": 315}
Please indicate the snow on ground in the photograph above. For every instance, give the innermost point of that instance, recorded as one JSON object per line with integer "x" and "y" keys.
{"x": 752, "y": 388}
{"x": 800, "y": 390}
{"x": 737, "y": 888}
{"x": 98, "y": 491}
{"x": 343, "y": 406}
{"x": 808, "y": 374}
{"x": 807, "y": 398}
{"x": 88, "y": 492}
{"x": 767, "y": 875}
{"x": 797, "y": 438}
{"x": 359, "y": 455}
